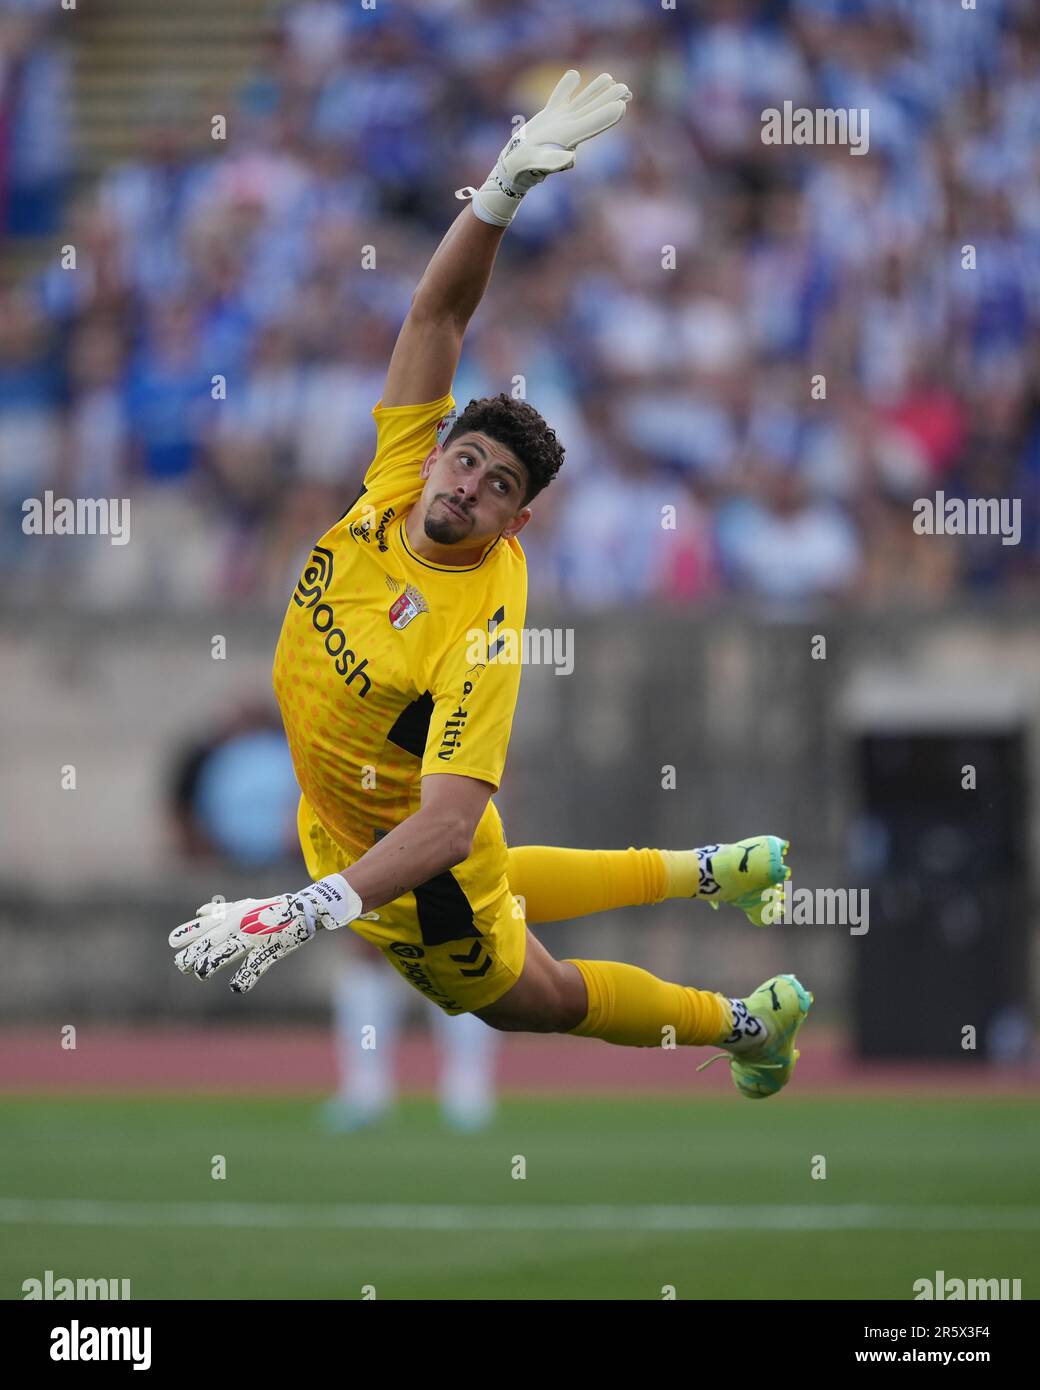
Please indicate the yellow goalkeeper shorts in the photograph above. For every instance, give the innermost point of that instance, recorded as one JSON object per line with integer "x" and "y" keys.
{"x": 460, "y": 938}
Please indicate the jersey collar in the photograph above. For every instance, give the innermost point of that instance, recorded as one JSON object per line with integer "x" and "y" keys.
{"x": 432, "y": 565}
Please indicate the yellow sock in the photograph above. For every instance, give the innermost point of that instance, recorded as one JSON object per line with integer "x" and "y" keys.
{"x": 559, "y": 883}
{"x": 683, "y": 872}
{"x": 631, "y": 1007}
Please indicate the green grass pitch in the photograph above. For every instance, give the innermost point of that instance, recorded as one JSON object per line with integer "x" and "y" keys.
{"x": 621, "y": 1198}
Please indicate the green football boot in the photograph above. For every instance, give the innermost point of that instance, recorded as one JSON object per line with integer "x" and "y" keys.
{"x": 749, "y": 874}
{"x": 760, "y": 1070}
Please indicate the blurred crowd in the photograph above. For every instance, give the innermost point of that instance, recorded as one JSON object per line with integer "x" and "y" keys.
{"x": 758, "y": 356}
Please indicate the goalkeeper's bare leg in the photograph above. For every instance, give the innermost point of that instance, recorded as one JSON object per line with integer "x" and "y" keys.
{"x": 624, "y": 1004}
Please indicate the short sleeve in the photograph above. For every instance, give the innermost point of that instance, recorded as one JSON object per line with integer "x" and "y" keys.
{"x": 473, "y": 706}
{"x": 405, "y": 434}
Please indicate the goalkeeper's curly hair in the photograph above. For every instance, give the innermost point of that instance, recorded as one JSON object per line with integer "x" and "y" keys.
{"x": 519, "y": 427}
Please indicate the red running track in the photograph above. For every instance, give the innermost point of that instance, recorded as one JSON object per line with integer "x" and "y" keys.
{"x": 221, "y": 1060}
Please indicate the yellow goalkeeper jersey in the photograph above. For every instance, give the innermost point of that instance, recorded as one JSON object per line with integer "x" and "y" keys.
{"x": 387, "y": 665}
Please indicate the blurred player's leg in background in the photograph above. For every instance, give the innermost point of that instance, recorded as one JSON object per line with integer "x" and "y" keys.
{"x": 367, "y": 1002}
{"x": 467, "y": 1050}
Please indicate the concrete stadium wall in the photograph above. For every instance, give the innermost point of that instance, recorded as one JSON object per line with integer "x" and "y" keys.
{"x": 756, "y": 727}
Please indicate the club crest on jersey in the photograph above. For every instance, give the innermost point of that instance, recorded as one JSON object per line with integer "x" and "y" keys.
{"x": 408, "y": 606}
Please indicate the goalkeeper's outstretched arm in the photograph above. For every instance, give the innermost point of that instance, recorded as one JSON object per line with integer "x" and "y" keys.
{"x": 427, "y": 351}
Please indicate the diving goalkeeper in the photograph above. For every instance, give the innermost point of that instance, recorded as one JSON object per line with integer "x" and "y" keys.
{"x": 397, "y": 672}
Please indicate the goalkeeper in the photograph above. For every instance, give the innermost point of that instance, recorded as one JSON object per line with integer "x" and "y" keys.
{"x": 397, "y": 673}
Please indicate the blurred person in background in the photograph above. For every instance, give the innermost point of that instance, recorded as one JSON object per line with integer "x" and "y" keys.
{"x": 232, "y": 794}
{"x": 35, "y": 119}
{"x": 781, "y": 546}
{"x": 32, "y": 393}
{"x": 369, "y": 1007}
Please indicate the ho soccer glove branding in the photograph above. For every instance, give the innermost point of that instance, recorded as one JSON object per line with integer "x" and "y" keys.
{"x": 262, "y": 930}
{"x": 546, "y": 143}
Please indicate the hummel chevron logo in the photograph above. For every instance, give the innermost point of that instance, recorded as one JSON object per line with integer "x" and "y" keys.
{"x": 468, "y": 958}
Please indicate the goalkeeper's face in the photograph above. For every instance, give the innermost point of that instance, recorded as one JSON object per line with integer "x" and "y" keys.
{"x": 475, "y": 489}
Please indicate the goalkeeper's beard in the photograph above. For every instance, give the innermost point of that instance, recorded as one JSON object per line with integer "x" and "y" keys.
{"x": 445, "y": 527}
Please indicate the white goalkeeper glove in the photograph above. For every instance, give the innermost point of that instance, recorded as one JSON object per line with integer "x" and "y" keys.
{"x": 546, "y": 143}
{"x": 264, "y": 930}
